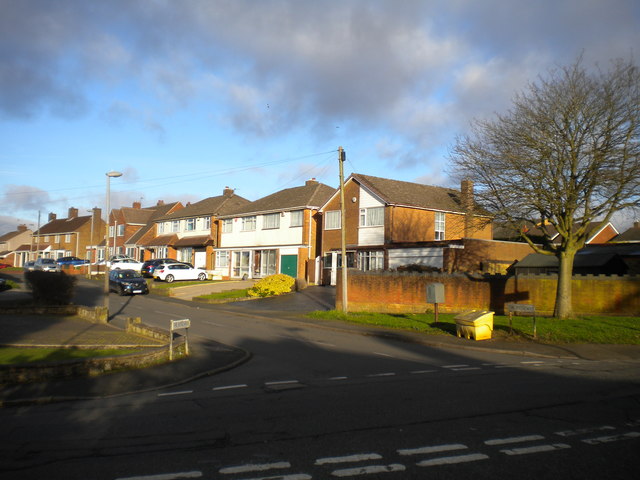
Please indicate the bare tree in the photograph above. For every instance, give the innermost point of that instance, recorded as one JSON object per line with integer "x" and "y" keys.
{"x": 565, "y": 154}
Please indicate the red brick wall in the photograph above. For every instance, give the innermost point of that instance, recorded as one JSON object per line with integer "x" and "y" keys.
{"x": 406, "y": 293}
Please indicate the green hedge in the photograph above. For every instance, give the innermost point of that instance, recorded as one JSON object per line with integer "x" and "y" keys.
{"x": 51, "y": 288}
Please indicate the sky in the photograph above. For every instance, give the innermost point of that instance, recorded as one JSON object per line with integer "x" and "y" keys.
{"x": 187, "y": 97}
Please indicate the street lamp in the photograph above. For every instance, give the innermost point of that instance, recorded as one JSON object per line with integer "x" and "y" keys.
{"x": 106, "y": 240}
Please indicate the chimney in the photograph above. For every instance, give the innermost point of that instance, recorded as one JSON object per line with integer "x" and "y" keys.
{"x": 466, "y": 190}
{"x": 73, "y": 213}
{"x": 137, "y": 205}
{"x": 97, "y": 213}
{"x": 636, "y": 224}
{"x": 52, "y": 216}
{"x": 160, "y": 203}
{"x": 227, "y": 192}
{"x": 313, "y": 181}
{"x": 22, "y": 228}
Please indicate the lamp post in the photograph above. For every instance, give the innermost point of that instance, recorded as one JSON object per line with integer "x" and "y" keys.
{"x": 106, "y": 239}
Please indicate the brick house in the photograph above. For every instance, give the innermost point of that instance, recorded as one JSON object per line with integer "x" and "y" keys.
{"x": 275, "y": 234}
{"x": 191, "y": 233}
{"x": 392, "y": 224}
{"x": 15, "y": 246}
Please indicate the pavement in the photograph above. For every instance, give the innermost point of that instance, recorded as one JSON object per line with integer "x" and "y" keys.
{"x": 209, "y": 357}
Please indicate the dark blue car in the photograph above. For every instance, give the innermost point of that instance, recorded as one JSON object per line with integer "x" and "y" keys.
{"x": 71, "y": 261}
{"x": 127, "y": 282}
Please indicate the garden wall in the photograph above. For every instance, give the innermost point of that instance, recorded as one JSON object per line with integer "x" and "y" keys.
{"x": 394, "y": 292}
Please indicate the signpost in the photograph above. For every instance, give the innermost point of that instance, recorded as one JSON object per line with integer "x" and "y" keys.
{"x": 175, "y": 325}
{"x": 521, "y": 309}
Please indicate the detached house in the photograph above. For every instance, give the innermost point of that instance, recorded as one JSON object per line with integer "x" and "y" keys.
{"x": 391, "y": 224}
{"x": 15, "y": 246}
{"x": 68, "y": 236}
{"x": 275, "y": 234}
{"x": 191, "y": 233}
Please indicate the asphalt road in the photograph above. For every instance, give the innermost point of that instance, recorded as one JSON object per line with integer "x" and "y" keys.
{"x": 321, "y": 403}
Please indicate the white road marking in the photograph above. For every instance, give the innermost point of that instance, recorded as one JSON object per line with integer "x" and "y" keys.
{"x": 418, "y": 372}
{"x": 230, "y": 387}
{"x": 388, "y": 374}
{"x": 165, "y": 476}
{"x": 611, "y": 438}
{"x": 473, "y": 457}
{"x": 433, "y": 449}
{"x": 213, "y": 323}
{"x": 465, "y": 368}
{"x": 383, "y": 354}
{"x": 281, "y": 382}
{"x": 262, "y": 467}
{"x": 505, "y": 441}
{"x": 532, "y": 362}
{"x": 454, "y": 366}
{"x": 371, "y": 469}
{"x": 538, "y": 449}
{"x": 582, "y": 431}
{"x": 324, "y": 344}
{"x": 165, "y": 313}
{"x": 361, "y": 457}
{"x": 169, "y": 394}
{"x": 338, "y": 378}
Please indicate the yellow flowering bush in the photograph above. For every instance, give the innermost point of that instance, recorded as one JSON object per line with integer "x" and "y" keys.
{"x": 272, "y": 285}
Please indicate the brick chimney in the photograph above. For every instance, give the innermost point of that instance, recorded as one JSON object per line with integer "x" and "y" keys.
{"x": 312, "y": 181}
{"x": 160, "y": 203}
{"x": 22, "y": 228}
{"x": 227, "y": 192}
{"x": 73, "y": 213}
{"x": 52, "y": 216}
{"x": 96, "y": 213}
{"x": 137, "y": 205}
{"x": 466, "y": 194}
{"x": 636, "y": 224}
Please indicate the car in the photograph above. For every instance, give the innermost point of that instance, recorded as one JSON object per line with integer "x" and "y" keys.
{"x": 71, "y": 261}
{"x": 150, "y": 265}
{"x": 46, "y": 265}
{"x": 170, "y": 272}
{"x": 125, "y": 264}
{"x": 29, "y": 266}
{"x": 4, "y": 265}
{"x": 127, "y": 281}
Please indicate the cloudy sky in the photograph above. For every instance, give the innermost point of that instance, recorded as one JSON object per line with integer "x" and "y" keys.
{"x": 186, "y": 97}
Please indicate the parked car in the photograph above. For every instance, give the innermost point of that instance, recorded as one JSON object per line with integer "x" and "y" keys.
{"x": 125, "y": 264}
{"x": 125, "y": 281}
{"x": 149, "y": 266}
{"x": 4, "y": 265}
{"x": 178, "y": 271}
{"x": 71, "y": 261}
{"x": 46, "y": 265}
{"x": 29, "y": 266}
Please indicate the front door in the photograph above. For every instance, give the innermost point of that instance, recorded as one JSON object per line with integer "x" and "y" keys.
{"x": 289, "y": 265}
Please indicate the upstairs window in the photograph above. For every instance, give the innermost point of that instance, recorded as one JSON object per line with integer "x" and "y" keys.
{"x": 206, "y": 223}
{"x": 175, "y": 226}
{"x": 372, "y": 217}
{"x": 190, "y": 224}
{"x": 271, "y": 221}
{"x": 439, "y": 226}
{"x": 249, "y": 224}
{"x": 332, "y": 220}
{"x": 227, "y": 225}
{"x": 297, "y": 218}
{"x": 160, "y": 228}
{"x": 120, "y": 230}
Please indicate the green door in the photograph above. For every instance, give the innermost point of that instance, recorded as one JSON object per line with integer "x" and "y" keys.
{"x": 289, "y": 265}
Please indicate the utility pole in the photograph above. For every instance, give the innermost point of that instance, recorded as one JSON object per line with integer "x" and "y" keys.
{"x": 343, "y": 231}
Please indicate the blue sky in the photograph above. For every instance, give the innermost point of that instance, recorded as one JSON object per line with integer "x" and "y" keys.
{"x": 187, "y": 97}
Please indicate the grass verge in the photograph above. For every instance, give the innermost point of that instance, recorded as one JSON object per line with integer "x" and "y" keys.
{"x": 13, "y": 355}
{"x": 588, "y": 329}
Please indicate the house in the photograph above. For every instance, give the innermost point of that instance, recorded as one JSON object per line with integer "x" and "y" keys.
{"x": 632, "y": 235}
{"x": 596, "y": 233}
{"x": 190, "y": 234}
{"x": 278, "y": 233}
{"x": 131, "y": 227}
{"x": 62, "y": 237}
{"x": 14, "y": 246}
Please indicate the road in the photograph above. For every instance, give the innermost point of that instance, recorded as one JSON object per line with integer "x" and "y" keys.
{"x": 324, "y": 403}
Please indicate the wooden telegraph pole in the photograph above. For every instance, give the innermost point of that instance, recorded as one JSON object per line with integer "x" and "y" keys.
{"x": 341, "y": 159}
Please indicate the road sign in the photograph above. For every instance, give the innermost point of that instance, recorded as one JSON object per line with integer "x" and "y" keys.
{"x": 184, "y": 323}
{"x": 175, "y": 325}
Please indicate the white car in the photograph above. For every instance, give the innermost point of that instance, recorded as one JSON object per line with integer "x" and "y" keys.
{"x": 178, "y": 271}
{"x": 125, "y": 264}
{"x": 46, "y": 265}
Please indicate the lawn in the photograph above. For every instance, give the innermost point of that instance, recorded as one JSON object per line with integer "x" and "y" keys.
{"x": 13, "y": 355}
{"x": 226, "y": 295}
{"x": 588, "y": 329}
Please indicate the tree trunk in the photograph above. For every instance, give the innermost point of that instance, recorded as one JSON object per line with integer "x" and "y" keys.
{"x": 564, "y": 308}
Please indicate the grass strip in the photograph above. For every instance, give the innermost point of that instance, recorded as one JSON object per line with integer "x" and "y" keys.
{"x": 588, "y": 329}
{"x": 13, "y": 355}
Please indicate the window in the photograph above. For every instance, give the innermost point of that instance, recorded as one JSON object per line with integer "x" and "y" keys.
{"x": 372, "y": 217}
{"x": 222, "y": 259}
{"x": 206, "y": 223}
{"x": 175, "y": 226}
{"x": 332, "y": 220}
{"x": 111, "y": 231}
{"x": 227, "y": 225}
{"x": 248, "y": 224}
{"x": 120, "y": 230}
{"x": 67, "y": 237}
{"x": 371, "y": 260}
{"x": 185, "y": 254}
{"x": 297, "y": 218}
{"x": 439, "y": 226}
{"x": 161, "y": 252}
{"x": 190, "y": 224}
{"x": 160, "y": 228}
{"x": 271, "y": 221}
{"x": 46, "y": 238}
{"x": 241, "y": 262}
{"x": 131, "y": 252}
{"x": 57, "y": 239}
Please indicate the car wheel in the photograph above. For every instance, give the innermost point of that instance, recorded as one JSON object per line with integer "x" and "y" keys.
{"x": 202, "y": 277}
{"x": 169, "y": 279}
{"x": 121, "y": 292}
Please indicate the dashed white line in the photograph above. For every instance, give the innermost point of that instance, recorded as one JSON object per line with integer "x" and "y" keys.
{"x": 368, "y": 470}
{"x": 338, "y": 378}
{"x": 505, "y": 441}
{"x": 465, "y": 368}
{"x": 214, "y": 324}
{"x": 262, "y": 467}
{"x": 387, "y": 374}
{"x": 432, "y": 449}
{"x": 169, "y": 394}
{"x": 165, "y": 476}
{"x": 473, "y": 457}
{"x": 281, "y": 382}
{"x": 582, "y": 431}
{"x": 230, "y": 387}
{"x": 361, "y": 457}
{"x": 454, "y": 366}
{"x": 418, "y": 372}
{"x": 611, "y": 438}
{"x": 383, "y": 354}
{"x": 324, "y": 344}
{"x": 536, "y": 449}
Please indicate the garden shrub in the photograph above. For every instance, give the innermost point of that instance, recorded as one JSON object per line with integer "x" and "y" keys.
{"x": 272, "y": 285}
{"x": 51, "y": 288}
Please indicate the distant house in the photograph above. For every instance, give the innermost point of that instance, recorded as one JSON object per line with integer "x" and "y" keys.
{"x": 596, "y": 233}
{"x": 191, "y": 233}
{"x": 391, "y": 224}
{"x": 276, "y": 234}
{"x": 632, "y": 235}
{"x": 63, "y": 237}
{"x": 14, "y": 246}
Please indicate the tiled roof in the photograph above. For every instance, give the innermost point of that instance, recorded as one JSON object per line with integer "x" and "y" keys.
{"x": 157, "y": 212}
{"x": 630, "y": 235}
{"x": 162, "y": 240}
{"x": 137, "y": 216}
{"x": 195, "y": 241}
{"x": 9, "y": 236}
{"x": 217, "y": 206}
{"x": 311, "y": 195}
{"x": 64, "y": 225}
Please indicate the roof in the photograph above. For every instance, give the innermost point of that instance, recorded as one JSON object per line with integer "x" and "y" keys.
{"x": 217, "y": 206}
{"x": 137, "y": 216}
{"x": 156, "y": 212}
{"x": 631, "y": 235}
{"x": 593, "y": 229}
{"x": 63, "y": 225}
{"x": 194, "y": 241}
{"x": 8, "y": 236}
{"x": 162, "y": 240}
{"x": 311, "y": 195}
